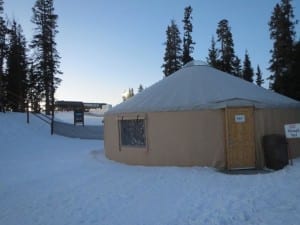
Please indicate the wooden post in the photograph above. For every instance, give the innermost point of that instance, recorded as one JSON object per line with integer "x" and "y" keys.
{"x": 289, "y": 153}
{"x": 52, "y": 120}
{"x": 292, "y": 131}
{"x": 27, "y": 111}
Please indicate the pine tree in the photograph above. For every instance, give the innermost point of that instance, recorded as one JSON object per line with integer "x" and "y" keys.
{"x": 213, "y": 55}
{"x": 46, "y": 56}
{"x": 227, "y": 47}
{"x": 282, "y": 31}
{"x": 128, "y": 94}
{"x": 259, "y": 79}
{"x": 172, "y": 57}
{"x": 16, "y": 69}
{"x": 140, "y": 88}
{"x": 35, "y": 87}
{"x": 187, "y": 37}
{"x": 3, "y": 48}
{"x": 131, "y": 92}
{"x": 236, "y": 67}
{"x": 294, "y": 74}
{"x": 247, "y": 69}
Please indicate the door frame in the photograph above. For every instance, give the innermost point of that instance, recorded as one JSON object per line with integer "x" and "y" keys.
{"x": 227, "y": 136}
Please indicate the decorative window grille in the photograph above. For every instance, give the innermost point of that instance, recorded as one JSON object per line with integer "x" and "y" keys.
{"x": 133, "y": 132}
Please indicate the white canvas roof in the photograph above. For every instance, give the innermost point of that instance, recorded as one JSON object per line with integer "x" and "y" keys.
{"x": 202, "y": 87}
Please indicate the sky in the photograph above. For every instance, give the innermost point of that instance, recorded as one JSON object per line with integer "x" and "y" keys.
{"x": 108, "y": 46}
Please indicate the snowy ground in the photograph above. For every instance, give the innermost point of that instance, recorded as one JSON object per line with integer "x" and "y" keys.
{"x": 53, "y": 180}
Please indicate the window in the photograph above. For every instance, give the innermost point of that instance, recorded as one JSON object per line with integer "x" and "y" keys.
{"x": 133, "y": 132}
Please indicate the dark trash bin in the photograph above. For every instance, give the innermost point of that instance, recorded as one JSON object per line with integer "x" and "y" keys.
{"x": 275, "y": 151}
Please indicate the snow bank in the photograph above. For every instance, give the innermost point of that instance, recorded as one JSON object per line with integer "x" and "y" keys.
{"x": 46, "y": 180}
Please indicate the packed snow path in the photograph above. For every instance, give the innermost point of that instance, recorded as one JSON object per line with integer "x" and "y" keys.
{"x": 47, "y": 180}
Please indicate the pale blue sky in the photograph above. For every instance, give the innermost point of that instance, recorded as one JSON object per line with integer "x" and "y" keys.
{"x": 108, "y": 46}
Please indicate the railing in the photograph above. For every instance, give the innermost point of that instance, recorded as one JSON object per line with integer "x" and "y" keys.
{"x": 70, "y": 130}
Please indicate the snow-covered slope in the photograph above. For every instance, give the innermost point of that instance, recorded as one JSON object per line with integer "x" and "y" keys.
{"x": 47, "y": 180}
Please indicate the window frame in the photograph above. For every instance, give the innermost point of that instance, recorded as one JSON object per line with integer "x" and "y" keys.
{"x": 133, "y": 117}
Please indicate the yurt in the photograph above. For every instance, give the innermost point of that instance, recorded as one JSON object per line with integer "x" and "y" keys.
{"x": 198, "y": 116}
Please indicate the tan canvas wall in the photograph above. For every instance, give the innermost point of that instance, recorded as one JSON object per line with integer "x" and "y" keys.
{"x": 174, "y": 138}
{"x": 272, "y": 121}
{"x": 193, "y": 138}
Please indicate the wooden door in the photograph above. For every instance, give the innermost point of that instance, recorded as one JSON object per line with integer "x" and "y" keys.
{"x": 240, "y": 138}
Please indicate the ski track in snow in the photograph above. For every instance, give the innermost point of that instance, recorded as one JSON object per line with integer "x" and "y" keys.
{"x": 47, "y": 180}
